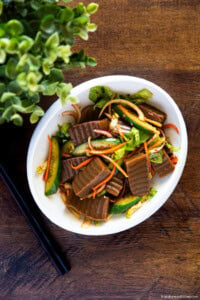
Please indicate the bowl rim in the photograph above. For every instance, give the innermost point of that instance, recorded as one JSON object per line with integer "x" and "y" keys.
{"x": 78, "y": 90}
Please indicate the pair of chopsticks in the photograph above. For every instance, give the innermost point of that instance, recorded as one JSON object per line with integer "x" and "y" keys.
{"x": 38, "y": 228}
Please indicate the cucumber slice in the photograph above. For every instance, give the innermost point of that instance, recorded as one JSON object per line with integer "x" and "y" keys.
{"x": 54, "y": 175}
{"x": 123, "y": 204}
{"x": 132, "y": 119}
{"x": 100, "y": 144}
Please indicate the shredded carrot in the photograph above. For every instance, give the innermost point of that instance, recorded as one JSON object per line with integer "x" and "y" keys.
{"x": 105, "y": 180}
{"x": 84, "y": 163}
{"x": 66, "y": 155}
{"x": 97, "y": 191}
{"x": 107, "y": 151}
{"x": 49, "y": 159}
{"x": 174, "y": 160}
{"x": 147, "y": 154}
{"x": 94, "y": 194}
{"x": 115, "y": 164}
{"x": 171, "y": 126}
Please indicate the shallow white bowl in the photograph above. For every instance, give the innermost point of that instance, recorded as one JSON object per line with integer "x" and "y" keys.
{"x": 53, "y": 206}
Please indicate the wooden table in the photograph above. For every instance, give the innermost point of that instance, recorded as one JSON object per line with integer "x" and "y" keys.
{"x": 158, "y": 40}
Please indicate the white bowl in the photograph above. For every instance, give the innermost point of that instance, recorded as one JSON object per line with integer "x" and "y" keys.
{"x": 53, "y": 206}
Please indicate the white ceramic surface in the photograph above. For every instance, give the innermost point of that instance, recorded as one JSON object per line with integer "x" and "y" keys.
{"x": 53, "y": 206}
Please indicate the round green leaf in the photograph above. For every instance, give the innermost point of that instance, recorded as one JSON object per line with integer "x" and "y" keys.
{"x": 83, "y": 34}
{"x": 53, "y": 41}
{"x": 64, "y": 52}
{"x": 7, "y": 113}
{"x": 56, "y": 75}
{"x": 92, "y": 27}
{"x": 92, "y": 8}
{"x": 38, "y": 112}
{"x": 25, "y": 44}
{"x": 17, "y": 119}
{"x": 11, "y": 65}
{"x": 46, "y": 66}
{"x": 63, "y": 90}
{"x": 81, "y": 20}
{"x": 47, "y": 88}
{"x": 2, "y": 87}
{"x": 14, "y": 87}
{"x": 4, "y": 42}
{"x": 32, "y": 79}
{"x": 72, "y": 99}
{"x": 7, "y": 96}
{"x": 67, "y": 14}
{"x": 1, "y": 7}
{"x": 48, "y": 24}
{"x": 2, "y": 30}
{"x": 91, "y": 61}
{"x": 22, "y": 80}
{"x": 14, "y": 27}
{"x": 2, "y": 56}
{"x": 12, "y": 46}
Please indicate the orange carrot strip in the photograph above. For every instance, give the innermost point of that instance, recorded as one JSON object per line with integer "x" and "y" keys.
{"x": 84, "y": 163}
{"x": 146, "y": 151}
{"x": 49, "y": 159}
{"x": 97, "y": 192}
{"x": 94, "y": 194}
{"x": 171, "y": 126}
{"x": 105, "y": 180}
{"x": 115, "y": 164}
{"x": 107, "y": 151}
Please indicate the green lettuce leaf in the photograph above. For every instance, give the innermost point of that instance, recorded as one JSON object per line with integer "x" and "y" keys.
{"x": 63, "y": 132}
{"x": 100, "y": 92}
{"x": 157, "y": 157}
{"x": 171, "y": 147}
{"x": 135, "y": 138}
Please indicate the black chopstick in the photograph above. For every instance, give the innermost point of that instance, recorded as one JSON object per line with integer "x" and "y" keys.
{"x": 38, "y": 228}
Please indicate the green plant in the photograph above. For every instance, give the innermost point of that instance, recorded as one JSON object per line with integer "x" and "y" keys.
{"x": 36, "y": 39}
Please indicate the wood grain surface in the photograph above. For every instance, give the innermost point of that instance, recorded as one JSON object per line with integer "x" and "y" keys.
{"x": 158, "y": 40}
